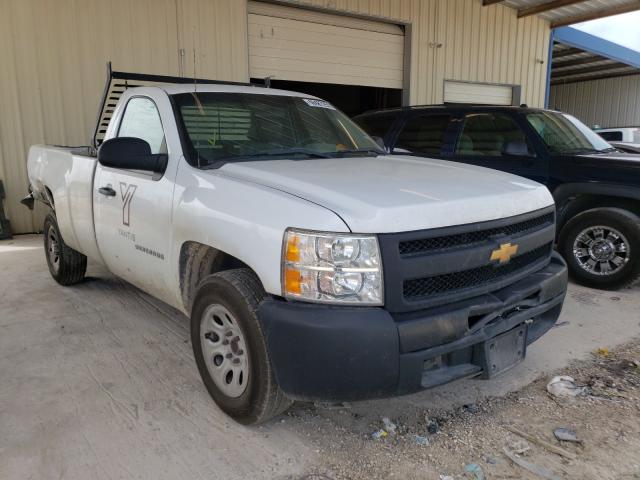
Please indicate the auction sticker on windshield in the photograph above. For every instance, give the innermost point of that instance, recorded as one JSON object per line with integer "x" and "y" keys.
{"x": 318, "y": 103}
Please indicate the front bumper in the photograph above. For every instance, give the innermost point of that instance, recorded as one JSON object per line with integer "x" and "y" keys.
{"x": 332, "y": 353}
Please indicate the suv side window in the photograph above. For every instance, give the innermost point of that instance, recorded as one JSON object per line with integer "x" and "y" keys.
{"x": 492, "y": 135}
{"x": 424, "y": 134}
{"x": 142, "y": 120}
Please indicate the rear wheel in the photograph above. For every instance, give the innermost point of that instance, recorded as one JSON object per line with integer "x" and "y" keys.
{"x": 66, "y": 265}
{"x": 602, "y": 247}
{"x": 230, "y": 348}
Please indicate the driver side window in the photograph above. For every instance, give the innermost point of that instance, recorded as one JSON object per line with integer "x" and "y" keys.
{"x": 142, "y": 120}
{"x": 492, "y": 135}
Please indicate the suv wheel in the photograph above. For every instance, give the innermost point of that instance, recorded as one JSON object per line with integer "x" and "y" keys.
{"x": 66, "y": 265}
{"x": 602, "y": 247}
{"x": 230, "y": 348}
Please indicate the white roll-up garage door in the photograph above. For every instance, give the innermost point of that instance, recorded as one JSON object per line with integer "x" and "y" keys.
{"x": 486, "y": 94}
{"x": 295, "y": 44}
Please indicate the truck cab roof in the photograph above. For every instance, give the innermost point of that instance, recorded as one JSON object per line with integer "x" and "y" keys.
{"x": 180, "y": 88}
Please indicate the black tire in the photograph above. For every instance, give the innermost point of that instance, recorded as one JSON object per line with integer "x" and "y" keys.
{"x": 66, "y": 265}
{"x": 624, "y": 222}
{"x": 239, "y": 292}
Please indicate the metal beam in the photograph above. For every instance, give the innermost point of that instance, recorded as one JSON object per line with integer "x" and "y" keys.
{"x": 584, "y": 71}
{"x": 566, "y": 81}
{"x": 604, "y": 12}
{"x": 584, "y": 41}
{"x": 545, "y": 7}
{"x": 578, "y": 61}
{"x": 566, "y": 52}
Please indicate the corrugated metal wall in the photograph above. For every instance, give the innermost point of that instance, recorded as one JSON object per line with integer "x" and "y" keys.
{"x": 611, "y": 102}
{"x": 53, "y": 57}
{"x": 462, "y": 40}
{"x": 54, "y": 53}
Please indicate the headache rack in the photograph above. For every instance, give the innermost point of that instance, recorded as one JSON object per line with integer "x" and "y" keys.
{"x": 118, "y": 82}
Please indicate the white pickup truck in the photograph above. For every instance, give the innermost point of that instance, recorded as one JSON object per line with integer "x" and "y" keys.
{"x": 312, "y": 265}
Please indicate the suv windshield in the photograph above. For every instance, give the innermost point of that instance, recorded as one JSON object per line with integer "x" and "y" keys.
{"x": 565, "y": 134}
{"x": 222, "y": 127}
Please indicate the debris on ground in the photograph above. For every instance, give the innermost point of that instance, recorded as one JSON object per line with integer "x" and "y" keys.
{"x": 532, "y": 438}
{"x": 378, "y": 434}
{"x": 432, "y": 425}
{"x": 541, "y": 472}
{"x": 475, "y": 470}
{"x": 421, "y": 440}
{"x": 389, "y": 426}
{"x": 471, "y": 408}
{"x": 566, "y": 435}
{"x": 565, "y": 386}
{"x": 520, "y": 447}
{"x": 602, "y": 352}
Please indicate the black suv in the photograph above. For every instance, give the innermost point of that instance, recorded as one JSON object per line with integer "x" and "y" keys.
{"x": 596, "y": 187}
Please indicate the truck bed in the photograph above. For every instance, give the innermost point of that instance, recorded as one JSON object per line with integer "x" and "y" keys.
{"x": 63, "y": 178}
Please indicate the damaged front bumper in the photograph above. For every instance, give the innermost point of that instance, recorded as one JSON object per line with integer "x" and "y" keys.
{"x": 331, "y": 353}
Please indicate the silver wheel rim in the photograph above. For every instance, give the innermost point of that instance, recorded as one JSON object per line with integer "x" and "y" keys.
{"x": 53, "y": 249}
{"x": 601, "y": 250}
{"x": 225, "y": 350}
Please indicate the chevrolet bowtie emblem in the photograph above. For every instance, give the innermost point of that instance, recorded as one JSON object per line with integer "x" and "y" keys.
{"x": 504, "y": 253}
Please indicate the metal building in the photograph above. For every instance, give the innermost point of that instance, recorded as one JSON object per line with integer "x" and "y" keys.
{"x": 596, "y": 80}
{"x": 357, "y": 53}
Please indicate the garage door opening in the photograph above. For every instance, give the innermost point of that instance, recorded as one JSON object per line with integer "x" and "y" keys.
{"x": 351, "y": 99}
{"x": 355, "y": 63}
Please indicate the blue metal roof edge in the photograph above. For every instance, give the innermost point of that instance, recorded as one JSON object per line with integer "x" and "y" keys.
{"x": 590, "y": 43}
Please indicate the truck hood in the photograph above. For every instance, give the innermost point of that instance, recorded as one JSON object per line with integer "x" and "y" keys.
{"x": 398, "y": 193}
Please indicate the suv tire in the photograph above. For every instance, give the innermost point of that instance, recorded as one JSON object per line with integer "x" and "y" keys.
{"x": 66, "y": 265}
{"x": 602, "y": 247}
{"x": 230, "y": 348}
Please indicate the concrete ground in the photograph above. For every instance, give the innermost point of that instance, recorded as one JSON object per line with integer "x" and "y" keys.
{"x": 98, "y": 381}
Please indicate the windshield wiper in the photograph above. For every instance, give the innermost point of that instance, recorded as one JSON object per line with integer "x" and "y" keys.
{"x": 368, "y": 151}
{"x": 273, "y": 153}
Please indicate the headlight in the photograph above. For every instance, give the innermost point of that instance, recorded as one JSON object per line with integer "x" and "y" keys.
{"x": 332, "y": 268}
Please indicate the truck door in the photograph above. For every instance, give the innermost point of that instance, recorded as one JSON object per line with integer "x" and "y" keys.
{"x": 495, "y": 140}
{"x": 132, "y": 209}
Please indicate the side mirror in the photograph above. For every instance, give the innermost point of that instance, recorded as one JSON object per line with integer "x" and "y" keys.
{"x": 130, "y": 153}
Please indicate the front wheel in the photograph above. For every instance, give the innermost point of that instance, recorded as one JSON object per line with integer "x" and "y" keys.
{"x": 230, "y": 348}
{"x": 602, "y": 247}
{"x": 66, "y": 265}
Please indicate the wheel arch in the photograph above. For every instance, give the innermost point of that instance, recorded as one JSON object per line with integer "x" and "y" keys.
{"x": 196, "y": 262}
{"x": 574, "y": 198}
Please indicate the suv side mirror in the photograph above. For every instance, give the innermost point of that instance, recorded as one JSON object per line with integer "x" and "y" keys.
{"x": 130, "y": 153}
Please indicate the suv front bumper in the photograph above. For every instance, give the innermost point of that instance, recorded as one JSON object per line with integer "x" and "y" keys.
{"x": 330, "y": 353}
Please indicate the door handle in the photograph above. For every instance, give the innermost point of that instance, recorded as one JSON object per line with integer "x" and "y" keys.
{"x": 108, "y": 191}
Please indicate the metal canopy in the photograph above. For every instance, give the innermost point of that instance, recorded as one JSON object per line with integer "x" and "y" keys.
{"x": 568, "y": 12}
{"x": 578, "y": 57}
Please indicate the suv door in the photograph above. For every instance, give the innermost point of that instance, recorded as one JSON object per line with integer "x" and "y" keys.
{"x": 496, "y": 140}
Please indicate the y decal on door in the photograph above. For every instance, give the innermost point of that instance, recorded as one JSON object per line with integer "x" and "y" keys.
{"x": 126, "y": 192}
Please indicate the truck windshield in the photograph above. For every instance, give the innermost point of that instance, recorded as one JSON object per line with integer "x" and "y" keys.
{"x": 221, "y": 127}
{"x": 564, "y": 134}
